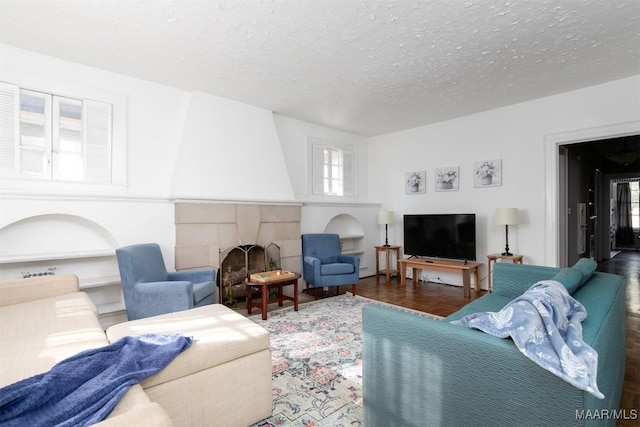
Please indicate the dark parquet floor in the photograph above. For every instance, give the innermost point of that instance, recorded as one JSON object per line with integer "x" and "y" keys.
{"x": 442, "y": 299}
{"x": 627, "y": 263}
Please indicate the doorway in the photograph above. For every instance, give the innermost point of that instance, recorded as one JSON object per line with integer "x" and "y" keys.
{"x": 555, "y": 229}
{"x": 598, "y": 212}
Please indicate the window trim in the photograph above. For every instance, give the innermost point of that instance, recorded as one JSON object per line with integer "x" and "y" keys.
{"x": 316, "y": 176}
{"x": 328, "y": 171}
{"x": 118, "y": 149}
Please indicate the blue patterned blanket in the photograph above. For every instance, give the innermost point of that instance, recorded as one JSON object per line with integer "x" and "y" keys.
{"x": 83, "y": 389}
{"x": 545, "y": 324}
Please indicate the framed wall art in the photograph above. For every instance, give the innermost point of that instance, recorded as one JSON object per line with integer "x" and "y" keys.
{"x": 415, "y": 182}
{"x": 447, "y": 179}
{"x": 487, "y": 173}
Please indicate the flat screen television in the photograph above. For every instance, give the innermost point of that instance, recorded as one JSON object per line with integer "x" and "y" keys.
{"x": 451, "y": 236}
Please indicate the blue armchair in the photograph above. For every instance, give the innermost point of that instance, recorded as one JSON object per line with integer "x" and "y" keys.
{"x": 324, "y": 265}
{"x": 150, "y": 290}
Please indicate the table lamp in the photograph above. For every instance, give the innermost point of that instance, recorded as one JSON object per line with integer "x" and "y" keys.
{"x": 386, "y": 218}
{"x": 506, "y": 217}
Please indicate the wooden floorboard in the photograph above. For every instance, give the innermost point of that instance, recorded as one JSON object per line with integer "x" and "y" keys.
{"x": 442, "y": 299}
{"x": 430, "y": 297}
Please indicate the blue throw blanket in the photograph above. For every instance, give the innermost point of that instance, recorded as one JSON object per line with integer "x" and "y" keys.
{"x": 545, "y": 325}
{"x": 84, "y": 388}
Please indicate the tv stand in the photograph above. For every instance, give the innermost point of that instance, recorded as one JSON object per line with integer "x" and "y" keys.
{"x": 450, "y": 266}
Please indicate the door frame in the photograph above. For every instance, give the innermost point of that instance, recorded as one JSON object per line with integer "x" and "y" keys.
{"x": 555, "y": 168}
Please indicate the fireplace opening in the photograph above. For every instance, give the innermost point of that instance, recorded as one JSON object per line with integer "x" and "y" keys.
{"x": 238, "y": 263}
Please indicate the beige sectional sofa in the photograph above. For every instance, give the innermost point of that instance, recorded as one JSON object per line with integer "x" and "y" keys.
{"x": 223, "y": 379}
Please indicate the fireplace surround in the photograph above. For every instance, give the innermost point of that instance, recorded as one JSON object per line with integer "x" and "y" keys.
{"x": 254, "y": 236}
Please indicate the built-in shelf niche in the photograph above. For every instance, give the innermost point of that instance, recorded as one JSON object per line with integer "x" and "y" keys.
{"x": 71, "y": 245}
{"x": 53, "y": 256}
{"x": 351, "y": 235}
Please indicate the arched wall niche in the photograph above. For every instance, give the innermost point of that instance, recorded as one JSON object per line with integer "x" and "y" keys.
{"x": 351, "y": 233}
{"x": 344, "y": 224}
{"x": 53, "y": 236}
{"x": 66, "y": 244}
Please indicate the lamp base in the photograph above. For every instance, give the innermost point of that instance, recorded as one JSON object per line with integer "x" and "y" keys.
{"x": 386, "y": 246}
{"x": 506, "y": 241}
{"x": 386, "y": 237}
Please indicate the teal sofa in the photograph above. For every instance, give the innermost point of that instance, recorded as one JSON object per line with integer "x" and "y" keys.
{"x": 420, "y": 371}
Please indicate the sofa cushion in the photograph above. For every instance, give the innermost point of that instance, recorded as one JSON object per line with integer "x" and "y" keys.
{"x": 38, "y": 334}
{"x": 24, "y": 290}
{"x": 219, "y": 335}
{"x": 587, "y": 267}
{"x": 134, "y": 398}
{"x": 489, "y": 302}
{"x": 336, "y": 268}
{"x": 571, "y": 278}
{"x": 512, "y": 280}
{"x": 149, "y": 415}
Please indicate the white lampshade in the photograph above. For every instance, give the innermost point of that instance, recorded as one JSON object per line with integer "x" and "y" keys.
{"x": 506, "y": 216}
{"x": 386, "y": 217}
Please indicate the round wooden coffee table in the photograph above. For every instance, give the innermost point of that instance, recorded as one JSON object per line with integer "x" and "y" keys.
{"x": 264, "y": 294}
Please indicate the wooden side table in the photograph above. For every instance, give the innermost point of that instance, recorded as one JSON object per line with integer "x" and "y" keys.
{"x": 388, "y": 271}
{"x": 516, "y": 259}
{"x": 264, "y": 293}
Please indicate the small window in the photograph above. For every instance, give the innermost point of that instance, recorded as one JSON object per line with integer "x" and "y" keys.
{"x": 332, "y": 169}
{"x": 46, "y": 136}
{"x": 332, "y": 172}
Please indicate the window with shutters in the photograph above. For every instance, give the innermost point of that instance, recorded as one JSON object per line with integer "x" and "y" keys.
{"x": 333, "y": 182}
{"x": 51, "y": 137}
{"x": 332, "y": 169}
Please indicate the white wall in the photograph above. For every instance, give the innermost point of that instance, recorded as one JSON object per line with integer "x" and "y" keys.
{"x": 294, "y": 136}
{"x": 230, "y": 150}
{"x": 179, "y": 145}
{"x": 140, "y": 208}
{"x": 164, "y": 161}
{"x": 154, "y": 117}
{"x": 319, "y": 211}
{"x": 515, "y": 134}
{"x": 136, "y": 212}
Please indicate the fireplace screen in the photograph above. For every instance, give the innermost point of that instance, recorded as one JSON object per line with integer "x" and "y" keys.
{"x": 238, "y": 263}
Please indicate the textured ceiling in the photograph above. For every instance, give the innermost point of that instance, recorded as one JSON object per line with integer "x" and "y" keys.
{"x": 369, "y": 67}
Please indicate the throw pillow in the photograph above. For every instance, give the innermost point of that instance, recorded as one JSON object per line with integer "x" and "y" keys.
{"x": 571, "y": 278}
{"x": 586, "y": 266}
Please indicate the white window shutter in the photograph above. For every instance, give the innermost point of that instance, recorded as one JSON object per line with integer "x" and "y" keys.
{"x": 97, "y": 141}
{"x": 9, "y": 109}
{"x": 317, "y": 169}
{"x": 348, "y": 174}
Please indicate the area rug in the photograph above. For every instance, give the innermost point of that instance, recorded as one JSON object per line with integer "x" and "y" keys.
{"x": 317, "y": 363}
